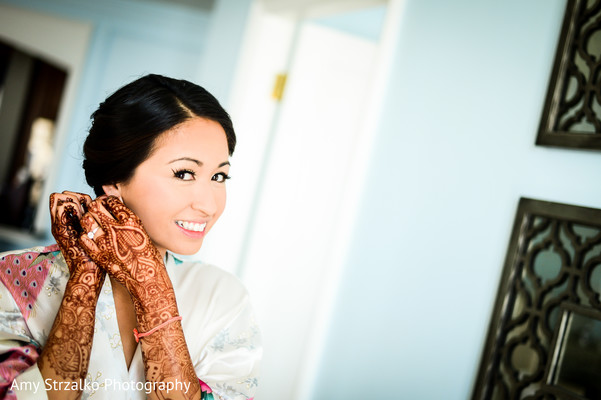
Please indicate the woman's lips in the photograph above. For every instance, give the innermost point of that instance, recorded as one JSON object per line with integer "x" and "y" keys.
{"x": 191, "y": 228}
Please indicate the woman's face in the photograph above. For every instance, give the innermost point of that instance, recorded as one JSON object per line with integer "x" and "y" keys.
{"x": 179, "y": 191}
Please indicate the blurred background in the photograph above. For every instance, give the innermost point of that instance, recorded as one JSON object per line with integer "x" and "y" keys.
{"x": 383, "y": 149}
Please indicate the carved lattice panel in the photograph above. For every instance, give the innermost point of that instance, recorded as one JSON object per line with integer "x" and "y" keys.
{"x": 572, "y": 113}
{"x": 553, "y": 262}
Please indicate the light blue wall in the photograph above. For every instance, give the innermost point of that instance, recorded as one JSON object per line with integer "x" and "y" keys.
{"x": 365, "y": 22}
{"x": 454, "y": 153}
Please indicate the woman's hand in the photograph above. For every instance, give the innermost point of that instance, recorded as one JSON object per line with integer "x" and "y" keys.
{"x": 123, "y": 248}
{"x": 119, "y": 242}
{"x": 66, "y": 210}
{"x": 66, "y": 354}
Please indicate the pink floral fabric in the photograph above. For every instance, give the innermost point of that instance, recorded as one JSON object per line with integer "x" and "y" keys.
{"x": 24, "y": 277}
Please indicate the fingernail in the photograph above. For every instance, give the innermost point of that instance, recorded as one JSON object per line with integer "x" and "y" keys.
{"x": 87, "y": 220}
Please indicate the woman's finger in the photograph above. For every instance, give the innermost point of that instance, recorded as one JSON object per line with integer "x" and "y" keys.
{"x": 90, "y": 227}
{"x": 100, "y": 213}
{"x": 57, "y": 200}
{"x": 65, "y": 213}
{"x": 82, "y": 198}
{"x": 88, "y": 245}
{"x": 119, "y": 210}
{"x": 78, "y": 200}
{"x": 52, "y": 203}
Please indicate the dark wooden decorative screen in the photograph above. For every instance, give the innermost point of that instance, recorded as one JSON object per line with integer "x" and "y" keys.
{"x": 572, "y": 112}
{"x": 548, "y": 299}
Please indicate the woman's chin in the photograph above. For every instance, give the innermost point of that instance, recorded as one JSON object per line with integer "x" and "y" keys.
{"x": 186, "y": 250}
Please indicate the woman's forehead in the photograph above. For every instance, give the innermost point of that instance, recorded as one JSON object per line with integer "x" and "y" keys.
{"x": 195, "y": 136}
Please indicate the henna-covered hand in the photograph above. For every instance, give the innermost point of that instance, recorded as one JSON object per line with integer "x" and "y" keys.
{"x": 66, "y": 354}
{"x": 123, "y": 248}
{"x": 66, "y": 210}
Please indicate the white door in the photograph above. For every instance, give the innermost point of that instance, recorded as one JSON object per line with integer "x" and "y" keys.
{"x": 300, "y": 225}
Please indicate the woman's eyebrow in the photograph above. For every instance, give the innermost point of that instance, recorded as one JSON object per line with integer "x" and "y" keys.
{"x": 197, "y": 162}
{"x": 194, "y": 160}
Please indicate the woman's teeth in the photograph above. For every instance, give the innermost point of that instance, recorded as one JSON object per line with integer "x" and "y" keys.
{"x": 192, "y": 226}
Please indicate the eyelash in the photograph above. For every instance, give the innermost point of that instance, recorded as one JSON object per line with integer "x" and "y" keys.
{"x": 180, "y": 174}
{"x": 223, "y": 176}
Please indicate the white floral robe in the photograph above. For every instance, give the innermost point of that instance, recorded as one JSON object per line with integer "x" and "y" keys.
{"x": 218, "y": 324}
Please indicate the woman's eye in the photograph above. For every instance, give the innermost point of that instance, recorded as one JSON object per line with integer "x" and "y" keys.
{"x": 184, "y": 174}
{"x": 220, "y": 177}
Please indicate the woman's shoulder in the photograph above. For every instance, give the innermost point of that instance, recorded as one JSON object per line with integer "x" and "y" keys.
{"x": 206, "y": 280}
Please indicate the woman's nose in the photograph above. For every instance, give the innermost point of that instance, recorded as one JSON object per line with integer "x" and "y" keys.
{"x": 204, "y": 200}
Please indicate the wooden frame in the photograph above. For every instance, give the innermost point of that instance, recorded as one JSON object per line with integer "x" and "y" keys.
{"x": 532, "y": 292}
{"x": 572, "y": 111}
{"x": 560, "y": 338}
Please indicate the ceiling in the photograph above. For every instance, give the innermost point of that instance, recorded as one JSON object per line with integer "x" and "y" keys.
{"x": 317, "y": 7}
{"x": 204, "y": 5}
{"x": 298, "y": 7}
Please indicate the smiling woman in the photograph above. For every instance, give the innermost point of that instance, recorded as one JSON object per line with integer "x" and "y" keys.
{"x": 157, "y": 155}
{"x": 185, "y": 174}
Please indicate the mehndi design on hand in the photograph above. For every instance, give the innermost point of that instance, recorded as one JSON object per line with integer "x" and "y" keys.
{"x": 66, "y": 353}
{"x": 124, "y": 249}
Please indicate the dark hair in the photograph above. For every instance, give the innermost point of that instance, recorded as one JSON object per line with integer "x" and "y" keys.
{"x": 127, "y": 123}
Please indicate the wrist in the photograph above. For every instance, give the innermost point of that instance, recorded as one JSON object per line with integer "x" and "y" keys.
{"x": 154, "y": 293}
{"x": 139, "y": 335}
{"x": 157, "y": 311}
{"x": 90, "y": 278}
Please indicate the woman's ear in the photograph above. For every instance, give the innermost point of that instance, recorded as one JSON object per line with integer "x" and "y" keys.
{"x": 112, "y": 190}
